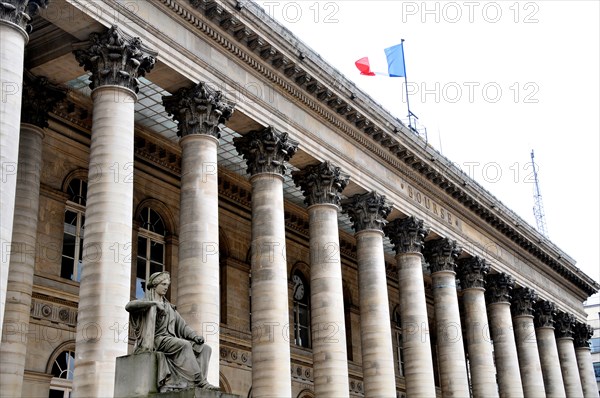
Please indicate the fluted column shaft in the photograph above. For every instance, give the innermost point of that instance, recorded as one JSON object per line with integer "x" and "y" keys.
{"x": 266, "y": 152}
{"x": 586, "y": 372}
{"x": 198, "y": 272}
{"x": 523, "y": 301}
{"x": 569, "y": 367}
{"x": 375, "y": 328}
{"x": 529, "y": 358}
{"x": 551, "y": 372}
{"x": 270, "y": 341}
{"x": 479, "y": 344}
{"x": 408, "y": 235}
{"x": 106, "y": 271}
{"x": 583, "y": 333}
{"x": 505, "y": 350}
{"x": 330, "y": 360}
{"x": 322, "y": 185}
{"x": 22, "y": 262}
{"x": 12, "y": 46}
{"x": 441, "y": 254}
{"x": 368, "y": 213}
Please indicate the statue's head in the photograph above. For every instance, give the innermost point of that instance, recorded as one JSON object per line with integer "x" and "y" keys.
{"x": 161, "y": 280}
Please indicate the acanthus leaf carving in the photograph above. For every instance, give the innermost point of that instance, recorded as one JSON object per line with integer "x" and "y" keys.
{"x": 499, "y": 288}
{"x": 321, "y": 184}
{"x": 472, "y": 272}
{"x": 20, "y": 12}
{"x": 40, "y": 97}
{"x": 442, "y": 254}
{"x": 198, "y": 109}
{"x": 114, "y": 59}
{"x": 583, "y": 334}
{"x": 266, "y": 150}
{"x": 407, "y": 235}
{"x": 544, "y": 314}
{"x": 523, "y": 301}
{"x": 367, "y": 211}
{"x": 564, "y": 326}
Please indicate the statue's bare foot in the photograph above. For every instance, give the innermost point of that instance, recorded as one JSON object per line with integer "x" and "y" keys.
{"x": 207, "y": 386}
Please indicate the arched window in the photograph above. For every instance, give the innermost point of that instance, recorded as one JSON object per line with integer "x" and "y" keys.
{"x": 301, "y": 310}
{"x": 72, "y": 250}
{"x": 397, "y": 340}
{"x": 61, "y": 384}
{"x": 150, "y": 248}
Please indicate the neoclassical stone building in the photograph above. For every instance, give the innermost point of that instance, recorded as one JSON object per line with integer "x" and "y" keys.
{"x": 319, "y": 245}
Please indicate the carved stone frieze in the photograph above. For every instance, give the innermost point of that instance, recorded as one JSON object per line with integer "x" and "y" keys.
{"x": 523, "y": 301}
{"x": 53, "y": 312}
{"x": 499, "y": 288}
{"x": 356, "y": 387}
{"x": 114, "y": 59}
{"x": 266, "y": 150}
{"x": 39, "y": 98}
{"x": 472, "y": 272}
{"x": 407, "y": 234}
{"x": 20, "y": 12}
{"x": 544, "y": 314}
{"x": 564, "y": 325}
{"x": 583, "y": 334}
{"x": 442, "y": 254}
{"x": 301, "y": 373}
{"x": 367, "y": 211}
{"x": 236, "y": 356}
{"x": 321, "y": 184}
{"x": 198, "y": 109}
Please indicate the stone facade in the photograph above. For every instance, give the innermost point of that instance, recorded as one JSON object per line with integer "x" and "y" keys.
{"x": 190, "y": 172}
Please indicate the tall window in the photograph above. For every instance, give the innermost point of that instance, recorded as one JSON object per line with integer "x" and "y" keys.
{"x": 597, "y": 371}
{"x": 595, "y": 345}
{"x": 397, "y": 333}
{"x": 150, "y": 248}
{"x": 72, "y": 250}
{"x": 301, "y": 310}
{"x": 61, "y": 384}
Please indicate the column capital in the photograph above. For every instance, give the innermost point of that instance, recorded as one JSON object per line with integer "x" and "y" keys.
{"x": 39, "y": 98}
{"x": 114, "y": 59}
{"x": 472, "y": 272}
{"x": 583, "y": 334}
{"x": 522, "y": 301}
{"x": 499, "y": 288}
{"x": 367, "y": 211}
{"x": 442, "y": 254}
{"x": 407, "y": 234}
{"x": 564, "y": 325}
{"x": 266, "y": 150}
{"x": 198, "y": 109}
{"x": 321, "y": 183}
{"x": 20, "y": 12}
{"x": 545, "y": 313}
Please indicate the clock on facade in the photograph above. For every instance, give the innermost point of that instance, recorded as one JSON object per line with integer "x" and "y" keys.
{"x": 298, "y": 287}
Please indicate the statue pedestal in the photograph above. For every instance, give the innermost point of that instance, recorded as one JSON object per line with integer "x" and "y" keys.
{"x": 136, "y": 377}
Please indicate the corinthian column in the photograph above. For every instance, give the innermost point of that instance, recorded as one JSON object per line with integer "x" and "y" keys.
{"x": 40, "y": 96}
{"x": 523, "y": 300}
{"x": 499, "y": 288}
{"x": 564, "y": 331}
{"x": 545, "y": 312}
{"x": 14, "y": 18}
{"x": 199, "y": 110}
{"x": 472, "y": 273}
{"x": 583, "y": 334}
{"x": 322, "y": 185}
{"x": 408, "y": 235}
{"x": 441, "y": 255}
{"x": 265, "y": 152}
{"x": 115, "y": 63}
{"x": 368, "y": 212}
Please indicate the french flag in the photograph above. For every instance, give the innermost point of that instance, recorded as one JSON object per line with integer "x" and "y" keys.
{"x": 395, "y": 62}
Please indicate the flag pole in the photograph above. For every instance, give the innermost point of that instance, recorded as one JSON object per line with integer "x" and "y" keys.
{"x": 406, "y": 87}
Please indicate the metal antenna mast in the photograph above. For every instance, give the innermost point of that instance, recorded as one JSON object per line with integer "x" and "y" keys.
{"x": 538, "y": 207}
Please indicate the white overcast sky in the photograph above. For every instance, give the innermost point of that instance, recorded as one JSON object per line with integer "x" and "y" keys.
{"x": 492, "y": 80}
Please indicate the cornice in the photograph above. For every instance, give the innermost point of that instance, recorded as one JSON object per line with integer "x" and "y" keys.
{"x": 241, "y": 29}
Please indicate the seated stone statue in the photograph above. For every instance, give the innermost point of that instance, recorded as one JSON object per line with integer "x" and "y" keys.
{"x": 182, "y": 355}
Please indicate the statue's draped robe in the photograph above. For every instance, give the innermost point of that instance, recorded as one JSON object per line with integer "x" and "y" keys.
{"x": 159, "y": 328}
